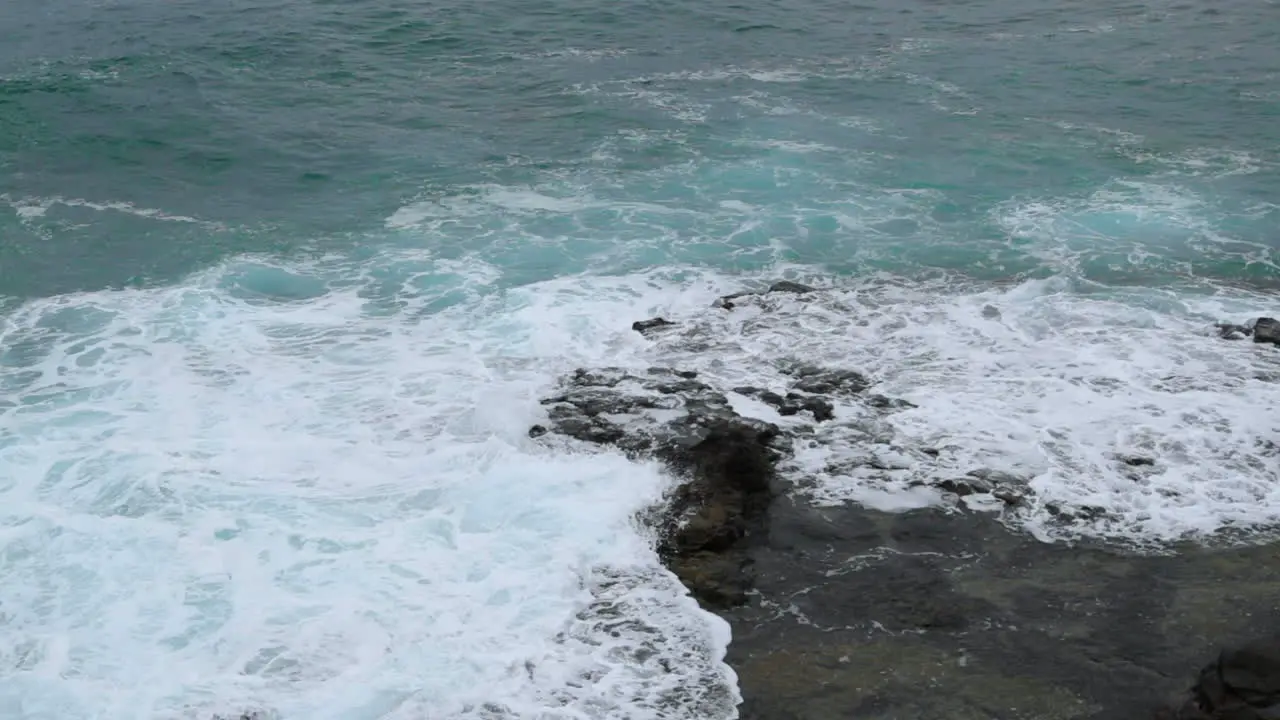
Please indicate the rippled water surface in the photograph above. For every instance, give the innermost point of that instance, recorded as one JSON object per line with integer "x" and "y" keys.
{"x": 282, "y": 281}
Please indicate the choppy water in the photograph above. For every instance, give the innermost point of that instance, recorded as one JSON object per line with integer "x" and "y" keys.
{"x": 282, "y": 282}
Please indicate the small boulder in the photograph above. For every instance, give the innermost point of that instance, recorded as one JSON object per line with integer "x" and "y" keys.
{"x": 791, "y": 287}
{"x": 1243, "y": 683}
{"x": 1231, "y": 331}
{"x": 725, "y": 302}
{"x": 794, "y": 403}
{"x": 965, "y": 486}
{"x": 824, "y": 381}
{"x": 1266, "y": 330}
{"x": 1136, "y": 460}
{"x": 1007, "y": 487}
{"x": 645, "y": 327}
{"x": 887, "y": 403}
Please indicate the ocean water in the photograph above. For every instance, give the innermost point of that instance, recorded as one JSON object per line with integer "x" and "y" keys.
{"x": 282, "y": 281}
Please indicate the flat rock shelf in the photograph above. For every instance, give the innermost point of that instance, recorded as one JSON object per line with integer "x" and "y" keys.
{"x": 936, "y": 613}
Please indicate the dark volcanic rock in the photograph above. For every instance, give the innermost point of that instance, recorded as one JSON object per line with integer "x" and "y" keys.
{"x": 943, "y": 615}
{"x": 791, "y": 287}
{"x": 1266, "y": 330}
{"x": 930, "y": 614}
{"x": 645, "y": 327}
{"x": 1137, "y": 460}
{"x": 793, "y": 403}
{"x": 1230, "y": 331}
{"x": 727, "y": 461}
{"x": 966, "y": 486}
{"x": 726, "y": 302}
{"x": 1243, "y": 683}
{"x": 814, "y": 379}
{"x": 888, "y": 403}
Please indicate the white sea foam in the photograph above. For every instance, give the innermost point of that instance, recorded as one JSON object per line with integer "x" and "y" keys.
{"x": 1053, "y": 380}
{"x": 214, "y": 501}
{"x": 33, "y": 208}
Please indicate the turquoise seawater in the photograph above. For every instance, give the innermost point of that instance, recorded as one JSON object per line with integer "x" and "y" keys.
{"x": 282, "y": 281}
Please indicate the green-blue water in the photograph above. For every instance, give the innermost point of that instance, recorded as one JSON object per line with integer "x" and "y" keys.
{"x": 890, "y": 135}
{"x": 282, "y": 281}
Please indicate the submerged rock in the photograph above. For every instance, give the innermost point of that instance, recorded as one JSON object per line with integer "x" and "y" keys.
{"x": 792, "y": 403}
{"x": 726, "y": 302}
{"x": 1136, "y": 460}
{"x": 814, "y": 379}
{"x": 1231, "y": 331}
{"x": 645, "y": 327}
{"x": 791, "y": 287}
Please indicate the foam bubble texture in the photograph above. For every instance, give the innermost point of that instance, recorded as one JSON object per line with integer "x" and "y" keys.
{"x": 1054, "y": 380}
{"x": 223, "y": 496}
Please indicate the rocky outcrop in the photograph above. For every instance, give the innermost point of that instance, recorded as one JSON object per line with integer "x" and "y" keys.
{"x": 845, "y": 611}
{"x": 1266, "y": 330}
{"x": 727, "y": 464}
{"x": 1262, "y": 330}
{"x": 645, "y": 327}
{"x": 1242, "y": 683}
{"x": 726, "y": 302}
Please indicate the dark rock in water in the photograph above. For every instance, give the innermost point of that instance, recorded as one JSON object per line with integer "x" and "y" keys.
{"x": 888, "y": 403}
{"x": 1266, "y": 329}
{"x": 725, "y": 302}
{"x": 1230, "y": 331}
{"x": 727, "y": 460}
{"x": 787, "y": 286}
{"x": 644, "y": 327}
{"x": 990, "y": 312}
{"x": 1137, "y": 460}
{"x": 1007, "y": 487}
{"x": 965, "y": 486}
{"x": 818, "y": 380}
{"x": 822, "y": 409}
{"x": 1071, "y": 513}
{"x": 793, "y": 403}
{"x": 1243, "y": 683}
{"x": 537, "y": 431}
{"x": 791, "y": 287}
{"x": 842, "y": 611}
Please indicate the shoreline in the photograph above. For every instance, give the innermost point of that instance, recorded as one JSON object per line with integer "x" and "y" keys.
{"x": 936, "y": 612}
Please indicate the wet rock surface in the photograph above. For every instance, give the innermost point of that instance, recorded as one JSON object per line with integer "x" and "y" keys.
{"x": 1242, "y": 683}
{"x": 727, "y": 302}
{"x": 939, "y": 613}
{"x": 1262, "y": 330}
{"x": 727, "y": 463}
{"x": 1266, "y": 330}
{"x": 646, "y": 327}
